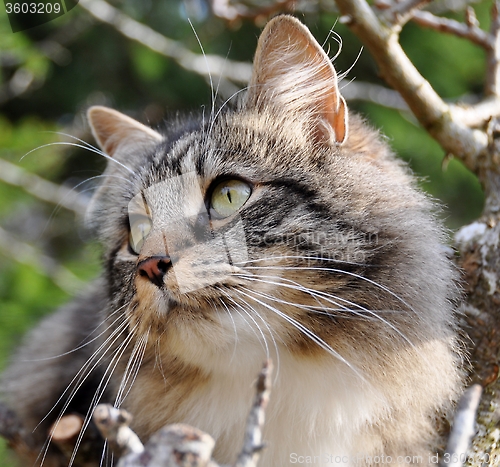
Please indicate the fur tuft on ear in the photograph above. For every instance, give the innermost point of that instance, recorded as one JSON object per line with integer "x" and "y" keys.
{"x": 294, "y": 74}
{"x": 113, "y": 130}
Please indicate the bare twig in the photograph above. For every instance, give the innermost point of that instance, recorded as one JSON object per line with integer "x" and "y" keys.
{"x": 172, "y": 446}
{"x": 399, "y": 72}
{"x": 252, "y": 445}
{"x": 26, "y": 254}
{"x": 470, "y": 18}
{"x": 12, "y": 430}
{"x": 237, "y": 11}
{"x": 492, "y": 87}
{"x": 463, "y": 428}
{"x": 477, "y": 115}
{"x": 181, "y": 445}
{"x": 204, "y": 65}
{"x": 469, "y": 30}
{"x": 50, "y": 192}
{"x": 21, "y": 82}
{"x": 65, "y": 432}
{"x": 114, "y": 426}
{"x": 374, "y": 93}
{"x": 41, "y": 188}
{"x": 401, "y": 12}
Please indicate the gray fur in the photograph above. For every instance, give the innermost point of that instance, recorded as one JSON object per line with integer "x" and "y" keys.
{"x": 338, "y": 216}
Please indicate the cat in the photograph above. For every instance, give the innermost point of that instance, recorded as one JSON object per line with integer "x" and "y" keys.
{"x": 282, "y": 227}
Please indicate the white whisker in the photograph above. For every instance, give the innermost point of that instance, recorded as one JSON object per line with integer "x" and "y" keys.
{"x": 81, "y": 146}
{"x": 85, "y": 343}
{"x": 86, "y": 143}
{"x": 253, "y": 321}
{"x": 339, "y": 271}
{"x": 266, "y": 324}
{"x": 328, "y": 297}
{"x": 82, "y": 374}
{"x": 308, "y": 258}
{"x": 305, "y": 331}
{"x": 206, "y": 64}
{"x": 101, "y": 388}
{"x": 132, "y": 369}
{"x": 79, "y": 379}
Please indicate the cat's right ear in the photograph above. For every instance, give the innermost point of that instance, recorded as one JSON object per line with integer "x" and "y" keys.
{"x": 114, "y": 130}
{"x": 294, "y": 75}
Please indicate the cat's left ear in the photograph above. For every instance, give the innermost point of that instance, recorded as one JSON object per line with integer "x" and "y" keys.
{"x": 292, "y": 71}
{"x": 114, "y": 130}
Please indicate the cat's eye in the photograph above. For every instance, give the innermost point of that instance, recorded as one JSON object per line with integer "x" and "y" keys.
{"x": 140, "y": 226}
{"x": 229, "y": 196}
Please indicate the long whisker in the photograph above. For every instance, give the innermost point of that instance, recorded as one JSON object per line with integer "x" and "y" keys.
{"x": 232, "y": 320}
{"x": 291, "y": 284}
{"x": 313, "y": 293}
{"x": 93, "y": 361}
{"x": 266, "y": 324}
{"x": 133, "y": 367}
{"x": 76, "y": 383}
{"x": 340, "y": 271}
{"x": 304, "y": 330}
{"x": 309, "y": 258}
{"x": 221, "y": 108}
{"x": 206, "y": 64}
{"x": 81, "y": 146}
{"x": 85, "y": 342}
{"x": 253, "y": 320}
{"x": 86, "y": 143}
{"x": 102, "y": 388}
{"x": 328, "y": 297}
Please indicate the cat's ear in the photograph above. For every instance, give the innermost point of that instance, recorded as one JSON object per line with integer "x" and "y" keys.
{"x": 292, "y": 71}
{"x": 113, "y": 130}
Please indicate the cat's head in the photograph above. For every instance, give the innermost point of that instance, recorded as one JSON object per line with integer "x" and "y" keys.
{"x": 280, "y": 222}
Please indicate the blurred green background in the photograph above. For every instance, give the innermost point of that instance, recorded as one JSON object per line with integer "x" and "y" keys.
{"x": 50, "y": 75}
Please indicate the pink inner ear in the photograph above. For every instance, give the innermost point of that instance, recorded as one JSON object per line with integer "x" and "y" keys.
{"x": 293, "y": 72}
{"x": 340, "y": 122}
{"x": 112, "y": 129}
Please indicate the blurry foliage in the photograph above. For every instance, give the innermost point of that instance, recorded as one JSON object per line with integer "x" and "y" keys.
{"x": 51, "y": 74}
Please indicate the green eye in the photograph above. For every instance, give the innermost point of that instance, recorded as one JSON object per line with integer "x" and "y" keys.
{"x": 140, "y": 226}
{"x": 229, "y": 196}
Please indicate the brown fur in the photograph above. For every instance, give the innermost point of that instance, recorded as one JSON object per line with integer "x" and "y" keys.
{"x": 335, "y": 271}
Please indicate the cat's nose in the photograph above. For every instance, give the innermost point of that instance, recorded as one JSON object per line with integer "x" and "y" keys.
{"x": 155, "y": 268}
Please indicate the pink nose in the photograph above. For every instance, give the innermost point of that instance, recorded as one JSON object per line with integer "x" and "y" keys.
{"x": 155, "y": 268}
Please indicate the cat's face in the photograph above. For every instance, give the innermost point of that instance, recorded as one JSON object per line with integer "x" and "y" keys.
{"x": 280, "y": 223}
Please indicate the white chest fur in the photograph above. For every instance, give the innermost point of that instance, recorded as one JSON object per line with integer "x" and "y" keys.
{"x": 319, "y": 411}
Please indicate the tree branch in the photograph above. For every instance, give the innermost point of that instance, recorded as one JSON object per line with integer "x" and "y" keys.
{"x": 468, "y": 30}
{"x": 182, "y": 445}
{"x": 399, "y": 72}
{"x": 252, "y": 445}
{"x": 238, "y": 11}
{"x": 41, "y": 188}
{"x": 12, "y": 430}
{"x": 453, "y": 127}
{"x": 114, "y": 426}
{"x": 463, "y": 427}
{"x": 204, "y": 65}
{"x": 374, "y": 93}
{"x": 400, "y": 13}
{"x": 64, "y": 433}
{"x": 492, "y": 87}
{"x": 26, "y": 254}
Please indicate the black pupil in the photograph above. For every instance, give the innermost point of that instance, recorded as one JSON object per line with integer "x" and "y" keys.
{"x": 227, "y": 192}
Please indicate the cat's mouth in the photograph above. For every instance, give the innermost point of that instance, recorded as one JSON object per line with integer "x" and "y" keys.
{"x": 163, "y": 298}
